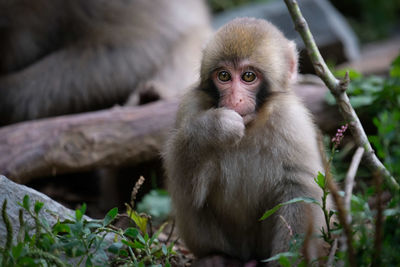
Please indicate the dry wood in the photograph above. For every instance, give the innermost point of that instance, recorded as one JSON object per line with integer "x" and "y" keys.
{"x": 121, "y": 135}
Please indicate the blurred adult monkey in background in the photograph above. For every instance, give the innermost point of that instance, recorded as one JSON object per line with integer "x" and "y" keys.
{"x": 244, "y": 143}
{"x": 68, "y": 56}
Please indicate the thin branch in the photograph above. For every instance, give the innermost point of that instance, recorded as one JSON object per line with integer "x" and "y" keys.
{"x": 351, "y": 173}
{"x": 376, "y": 260}
{"x": 332, "y": 253}
{"x": 338, "y": 89}
{"x": 342, "y": 215}
{"x": 171, "y": 232}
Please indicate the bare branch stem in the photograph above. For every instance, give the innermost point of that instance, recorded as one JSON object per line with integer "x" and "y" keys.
{"x": 342, "y": 216}
{"x": 332, "y": 253}
{"x": 338, "y": 89}
{"x": 351, "y": 173}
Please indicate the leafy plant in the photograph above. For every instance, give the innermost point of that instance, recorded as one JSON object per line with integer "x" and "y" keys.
{"x": 78, "y": 241}
{"x": 378, "y": 100}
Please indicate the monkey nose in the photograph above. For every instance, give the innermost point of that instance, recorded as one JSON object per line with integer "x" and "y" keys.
{"x": 238, "y": 102}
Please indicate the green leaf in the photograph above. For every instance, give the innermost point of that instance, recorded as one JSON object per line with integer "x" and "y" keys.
{"x": 88, "y": 262}
{"x": 352, "y": 73}
{"x": 303, "y": 264}
{"x": 128, "y": 243}
{"x": 94, "y": 225}
{"x": 27, "y": 261}
{"x": 164, "y": 249}
{"x": 83, "y": 208}
{"x": 171, "y": 248}
{"x": 140, "y": 221}
{"x": 79, "y": 212}
{"x": 156, "y": 234}
{"x": 395, "y": 69}
{"x": 26, "y": 202}
{"x": 123, "y": 253}
{"x": 17, "y": 250}
{"x": 78, "y": 215}
{"x": 76, "y": 228}
{"x": 61, "y": 228}
{"x": 320, "y": 180}
{"x": 145, "y": 237}
{"x": 284, "y": 261}
{"x": 115, "y": 247}
{"x": 141, "y": 238}
{"x": 138, "y": 245}
{"x": 391, "y": 212}
{"x": 110, "y": 216}
{"x": 280, "y": 255}
{"x": 131, "y": 232}
{"x": 361, "y": 100}
{"x": 292, "y": 201}
{"x": 38, "y": 206}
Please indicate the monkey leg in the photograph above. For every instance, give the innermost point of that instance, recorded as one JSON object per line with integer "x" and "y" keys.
{"x": 300, "y": 219}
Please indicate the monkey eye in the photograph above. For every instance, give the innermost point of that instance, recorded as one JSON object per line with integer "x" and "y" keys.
{"x": 249, "y": 76}
{"x": 224, "y": 76}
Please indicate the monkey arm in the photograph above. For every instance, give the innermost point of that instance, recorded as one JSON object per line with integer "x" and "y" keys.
{"x": 201, "y": 126}
{"x": 213, "y": 128}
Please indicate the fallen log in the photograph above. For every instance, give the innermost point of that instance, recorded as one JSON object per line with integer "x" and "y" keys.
{"x": 73, "y": 143}
{"x": 108, "y": 138}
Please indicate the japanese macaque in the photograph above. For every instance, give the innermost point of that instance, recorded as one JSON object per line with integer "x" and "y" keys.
{"x": 243, "y": 143}
{"x": 68, "y": 56}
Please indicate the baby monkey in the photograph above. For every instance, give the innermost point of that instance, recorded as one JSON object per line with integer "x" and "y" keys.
{"x": 243, "y": 143}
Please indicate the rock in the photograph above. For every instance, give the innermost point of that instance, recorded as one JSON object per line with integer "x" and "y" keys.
{"x": 335, "y": 39}
{"x": 15, "y": 193}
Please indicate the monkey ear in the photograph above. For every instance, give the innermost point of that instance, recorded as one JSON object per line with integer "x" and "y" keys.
{"x": 293, "y": 60}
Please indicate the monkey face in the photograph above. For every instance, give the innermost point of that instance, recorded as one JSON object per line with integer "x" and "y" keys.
{"x": 237, "y": 85}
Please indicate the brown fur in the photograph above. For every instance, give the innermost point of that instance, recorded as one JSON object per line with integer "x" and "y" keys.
{"x": 223, "y": 175}
{"x": 68, "y": 56}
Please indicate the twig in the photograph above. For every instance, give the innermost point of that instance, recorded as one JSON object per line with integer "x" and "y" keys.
{"x": 351, "y": 173}
{"x": 342, "y": 215}
{"x": 149, "y": 222}
{"x": 171, "y": 232}
{"x": 338, "y": 89}
{"x": 332, "y": 253}
{"x": 287, "y": 225}
{"x": 379, "y": 222}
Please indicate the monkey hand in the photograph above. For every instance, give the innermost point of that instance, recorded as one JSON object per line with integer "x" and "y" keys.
{"x": 229, "y": 126}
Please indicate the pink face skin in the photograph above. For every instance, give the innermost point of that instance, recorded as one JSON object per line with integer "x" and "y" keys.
{"x": 238, "y": 87}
